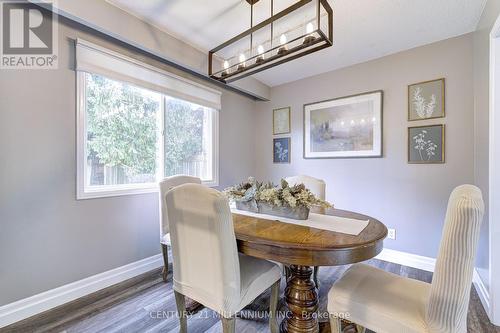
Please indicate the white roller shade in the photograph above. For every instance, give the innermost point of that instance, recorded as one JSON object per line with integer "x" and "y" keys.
{"x": 96, "y": 59}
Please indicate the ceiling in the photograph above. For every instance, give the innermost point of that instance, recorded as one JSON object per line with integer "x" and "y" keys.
{"x": 363, "y": 29}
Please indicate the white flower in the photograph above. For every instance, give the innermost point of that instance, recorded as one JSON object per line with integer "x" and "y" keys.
{"x": 422, "y": 108}
{"x": 282, "y": 153}
{"x": 429, "y": 109}
{"x": 421, "y": 144}
{"x": 289, "y": 198}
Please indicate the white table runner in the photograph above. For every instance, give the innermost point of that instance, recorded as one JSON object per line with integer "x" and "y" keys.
{"x": 319, "y": 221}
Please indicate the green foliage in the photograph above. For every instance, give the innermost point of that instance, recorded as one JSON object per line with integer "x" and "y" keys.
{"x": 183, "y": 133}
{"x": 121, "y": 125}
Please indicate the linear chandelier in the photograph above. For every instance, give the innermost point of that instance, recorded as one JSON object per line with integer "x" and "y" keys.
{"x": 303, "y": 28}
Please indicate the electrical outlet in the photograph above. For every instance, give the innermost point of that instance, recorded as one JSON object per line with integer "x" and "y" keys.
{"x": 391, "y": 234}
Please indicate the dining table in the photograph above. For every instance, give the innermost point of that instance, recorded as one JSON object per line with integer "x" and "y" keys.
{"x": 302, "y": 247}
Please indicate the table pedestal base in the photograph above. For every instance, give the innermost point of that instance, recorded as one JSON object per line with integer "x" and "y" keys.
{"x": 301, "y": 299}
{"x": 324, "y": 327}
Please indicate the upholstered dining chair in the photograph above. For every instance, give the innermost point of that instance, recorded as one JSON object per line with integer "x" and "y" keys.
{"x": 207, "y": 266}
{"x": 318, "y": 188}
{"x": 385, "y": 302}
{"x": 165, "y": 185}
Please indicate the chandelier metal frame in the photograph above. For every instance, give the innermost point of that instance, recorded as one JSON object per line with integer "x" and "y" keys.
{"x": 280, "y": 53}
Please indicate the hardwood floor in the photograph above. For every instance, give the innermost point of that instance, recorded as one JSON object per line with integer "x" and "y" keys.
{"x": 147, "y": 304}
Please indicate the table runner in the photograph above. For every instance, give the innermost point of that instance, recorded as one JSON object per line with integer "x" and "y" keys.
{"x": 319, "y": 221}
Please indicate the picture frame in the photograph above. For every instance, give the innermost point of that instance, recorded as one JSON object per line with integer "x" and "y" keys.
{"x": 426, "y": 144}
{"x": 345, "y": 127}
{"x": 281, "y": 150}
{"x": 281, "y": 121}
{"x": 426, "y": 100}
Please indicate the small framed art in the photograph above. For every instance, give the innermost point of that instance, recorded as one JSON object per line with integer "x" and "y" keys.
{"x": 281, "y": 121}
{"x": 281, "y": 150}
{"x": 426, "y": 100}
{"x": 426, "y": 144}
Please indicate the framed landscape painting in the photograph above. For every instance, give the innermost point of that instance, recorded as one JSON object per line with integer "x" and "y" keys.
{"x": 426, "y": 100}
{"x": 345, "y": 127}
{"x": 281, "y": 150}
{"x": 426, "y": 144}
{"x": 281, "y": 121}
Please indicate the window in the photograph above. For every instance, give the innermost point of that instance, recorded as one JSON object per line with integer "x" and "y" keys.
{"x": 122, "y": 131}
{"x": 131, "y": 135}
{"x": 188, "y": 140}
{"x": 134, "y": 137}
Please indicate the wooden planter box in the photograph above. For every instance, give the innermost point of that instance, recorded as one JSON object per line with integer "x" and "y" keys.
{"x": 297, "y": 213}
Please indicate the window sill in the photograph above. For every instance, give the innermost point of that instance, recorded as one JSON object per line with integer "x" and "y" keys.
{"x": 117, "y": 191}
{"x": 105, "y": 192}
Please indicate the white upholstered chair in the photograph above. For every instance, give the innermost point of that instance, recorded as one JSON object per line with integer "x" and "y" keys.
{"x": 165, "y": 185}
{"x": 315, "y": 185}
{"x": 385, "y": 302}
{"x": 318, "y": 188}
{"x": 207, "y": 266}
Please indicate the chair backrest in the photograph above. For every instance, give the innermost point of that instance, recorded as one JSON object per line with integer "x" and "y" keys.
{"x": 316, "y": 186}
{"x": 165, "y": 185}
{"x": 205, "y": 254}
{"x": 451, "y": 283}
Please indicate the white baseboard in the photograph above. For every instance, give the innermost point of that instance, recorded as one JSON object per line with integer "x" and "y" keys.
{"x": 483, "y": 292}
{"x": 39, "y": 303}
{"x": 428, "y": 264}
{"x": 408, "y": 259}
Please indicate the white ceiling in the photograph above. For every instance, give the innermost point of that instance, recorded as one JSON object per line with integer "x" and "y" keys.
{"x": 363, "y": 29}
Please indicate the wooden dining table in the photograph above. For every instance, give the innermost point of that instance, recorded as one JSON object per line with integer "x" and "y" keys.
{"x": 301, "y": 248}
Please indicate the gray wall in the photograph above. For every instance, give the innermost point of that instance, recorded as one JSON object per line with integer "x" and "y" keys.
{"x": 481, "y": 121}
{"x": 410, "y": 198}
{"x": 47, "y": 238}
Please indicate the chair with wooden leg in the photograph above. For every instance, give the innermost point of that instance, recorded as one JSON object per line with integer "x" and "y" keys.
{"x": 385, "y": 302}
{"x": 207, "y": 266}
{"x": 318, "y": 188}
{"x": 165, "y": 185}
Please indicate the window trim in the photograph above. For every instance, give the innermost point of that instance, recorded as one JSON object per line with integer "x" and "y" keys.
{"x": 84, "y": 192}
{"x": 215, "y": 151}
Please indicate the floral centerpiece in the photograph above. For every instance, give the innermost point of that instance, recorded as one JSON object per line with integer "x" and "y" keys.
{"x": 244, "y": 194}
{"x": 284, "y": 200}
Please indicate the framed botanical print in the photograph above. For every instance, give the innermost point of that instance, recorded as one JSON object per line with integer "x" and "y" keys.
{"x": 344, "y": 127}
{"x": 281, "y": 121}
{"x": 281, "y": 150}
{"x": 426, "y": 100}
{"x": 426, "y": 144}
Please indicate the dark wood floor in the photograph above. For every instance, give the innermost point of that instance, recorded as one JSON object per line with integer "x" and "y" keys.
{"x": 146, "y": 304}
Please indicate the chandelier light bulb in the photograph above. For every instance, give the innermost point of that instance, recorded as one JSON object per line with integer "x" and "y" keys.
{"x": 309, "y": 28}
{"x": 309, "y": 31}
{"x": 282, "y": 39}
{"x": 282, "y": 50}
{"x": 260, "y": 57}
{"x": 226, "y": 66}
{"x": 242, "y": 64}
